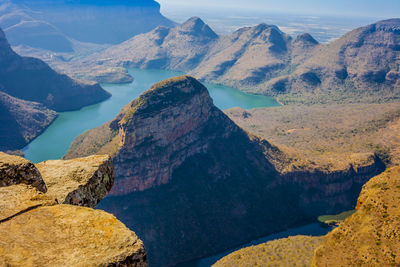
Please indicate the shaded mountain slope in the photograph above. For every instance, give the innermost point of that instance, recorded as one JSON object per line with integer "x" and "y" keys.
{"x": 192, "y": 183}
{"x": 21, "y": 121}
{"x": 33, "y": 80}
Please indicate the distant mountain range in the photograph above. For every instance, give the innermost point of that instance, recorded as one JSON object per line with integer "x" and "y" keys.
{"x": 29, "y": 89}
{"x": 363, "y": 64}
{"x": 52, "y": 24}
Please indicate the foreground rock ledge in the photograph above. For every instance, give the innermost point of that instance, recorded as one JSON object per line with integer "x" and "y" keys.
{"x": 36, "y": 229}
{"x": 16, "y": 170}
{"x": 65, "y": 235}
{"x": 82, "y": 182}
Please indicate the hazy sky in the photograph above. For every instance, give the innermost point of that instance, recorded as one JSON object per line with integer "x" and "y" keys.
{"x": 372, "y": 8}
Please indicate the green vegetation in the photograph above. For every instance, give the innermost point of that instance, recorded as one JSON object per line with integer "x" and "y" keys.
{"x": 335, "y": 219}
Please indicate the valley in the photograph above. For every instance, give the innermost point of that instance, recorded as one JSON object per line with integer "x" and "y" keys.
{"x": 214, "y": 146}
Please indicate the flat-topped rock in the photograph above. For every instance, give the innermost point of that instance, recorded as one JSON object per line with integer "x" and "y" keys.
{"x": 16, "y": 170}
{"x": 65, "y": 235}
{"x": 81, "y": 182}
{"x": 16, "y": 199}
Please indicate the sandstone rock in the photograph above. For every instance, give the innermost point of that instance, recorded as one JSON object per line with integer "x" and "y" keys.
{"x": 17, "y": 170}
{"x": 82, "y": 182}
{"x": 16, "y": 199}
{"x": 35, "y": 230}
{"x": 370, "y": 237}
{"x": 65, "y": 235}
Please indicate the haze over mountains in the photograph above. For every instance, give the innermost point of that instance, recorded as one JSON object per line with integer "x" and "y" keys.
{"x": 53, "y": 25}
{"x": 264, "y": 60}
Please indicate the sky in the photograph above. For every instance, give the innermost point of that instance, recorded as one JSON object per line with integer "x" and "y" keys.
{"x": 366, "y": 8}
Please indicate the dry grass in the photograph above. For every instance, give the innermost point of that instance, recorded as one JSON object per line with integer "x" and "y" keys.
{"x": 370, "y": 237}
{"x": 287, "y": 252}
{"x": 328, "y": 136}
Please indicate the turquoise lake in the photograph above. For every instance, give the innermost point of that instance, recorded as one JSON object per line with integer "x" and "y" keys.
{"x": 55, "y": 140}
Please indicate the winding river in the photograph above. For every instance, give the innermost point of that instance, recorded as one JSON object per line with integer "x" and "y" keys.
{"x": 54, "y": 142}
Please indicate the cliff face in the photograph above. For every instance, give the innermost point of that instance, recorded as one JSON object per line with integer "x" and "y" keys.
{"x": 51, "y": 24}
{"x": 33, "y": 80}
{"x": 369, "y": 236}
{"x": 46, "y": 232}
{"x": 192, "y": 183}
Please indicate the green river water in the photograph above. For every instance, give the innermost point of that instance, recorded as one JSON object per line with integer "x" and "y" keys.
{"x": 54, "y": 142}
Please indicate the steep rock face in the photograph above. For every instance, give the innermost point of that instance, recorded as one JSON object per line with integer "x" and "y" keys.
{"x": 192, "y": 183}
{"x": 16, "y": 170}
{"x": 101, "y": 22}
{"x": 82, "y": 182}
{"x": 179, "y": 48}
{"x": 369, "y": 236}
{"x": 35, "y": 230}
{"x": 33, "y": 80}
{"x": 21, "y": 121}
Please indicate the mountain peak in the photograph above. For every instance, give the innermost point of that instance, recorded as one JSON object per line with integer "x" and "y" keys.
{"x": 306, "y": 38}
{"x": 196, "y": 26}
{"x": 165, "y": 94}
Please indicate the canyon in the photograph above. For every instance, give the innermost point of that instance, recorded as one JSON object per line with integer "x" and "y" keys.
{"x": 188, "y": 179}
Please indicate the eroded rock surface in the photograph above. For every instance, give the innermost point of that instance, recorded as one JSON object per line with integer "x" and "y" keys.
{"x": 82, "y": 182}
{"x": 17, "y": 170}
{"x": 66, "y": 235}
{"x": 37, "y": 231}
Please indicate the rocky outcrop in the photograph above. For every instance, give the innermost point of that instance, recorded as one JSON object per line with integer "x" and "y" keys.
{"x": 286, "y": 252}
{"x": 193, "y": 183}
{"x": 82, "y": 182}
{"x": 369, "y": 236}
{"x": 22, "y": 121}
{"x": 35, "y": 229}
{"x": 33, "y": 80}
{"x": 16, "y": 170}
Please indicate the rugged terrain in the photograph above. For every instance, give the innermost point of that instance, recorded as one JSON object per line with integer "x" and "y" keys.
{"x": 29, "y": 92}
{"x": 192, "y": 181}
{"x": 21, "y": 121}
{"x": 370, "y": 236}
{"x": 361, "y": 66}
{"x": 327, "y": 137}
{"x": 45, "y": 219}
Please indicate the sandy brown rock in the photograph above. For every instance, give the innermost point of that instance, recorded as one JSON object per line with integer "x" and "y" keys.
{"x": 16, "y": 199}
{"x": 65, "y": 235}
{"x": 287, "y": 252}
{"x": 17, "y": 170}
{"x": 370, "y": 237}
{"x": 82, "y": 182}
